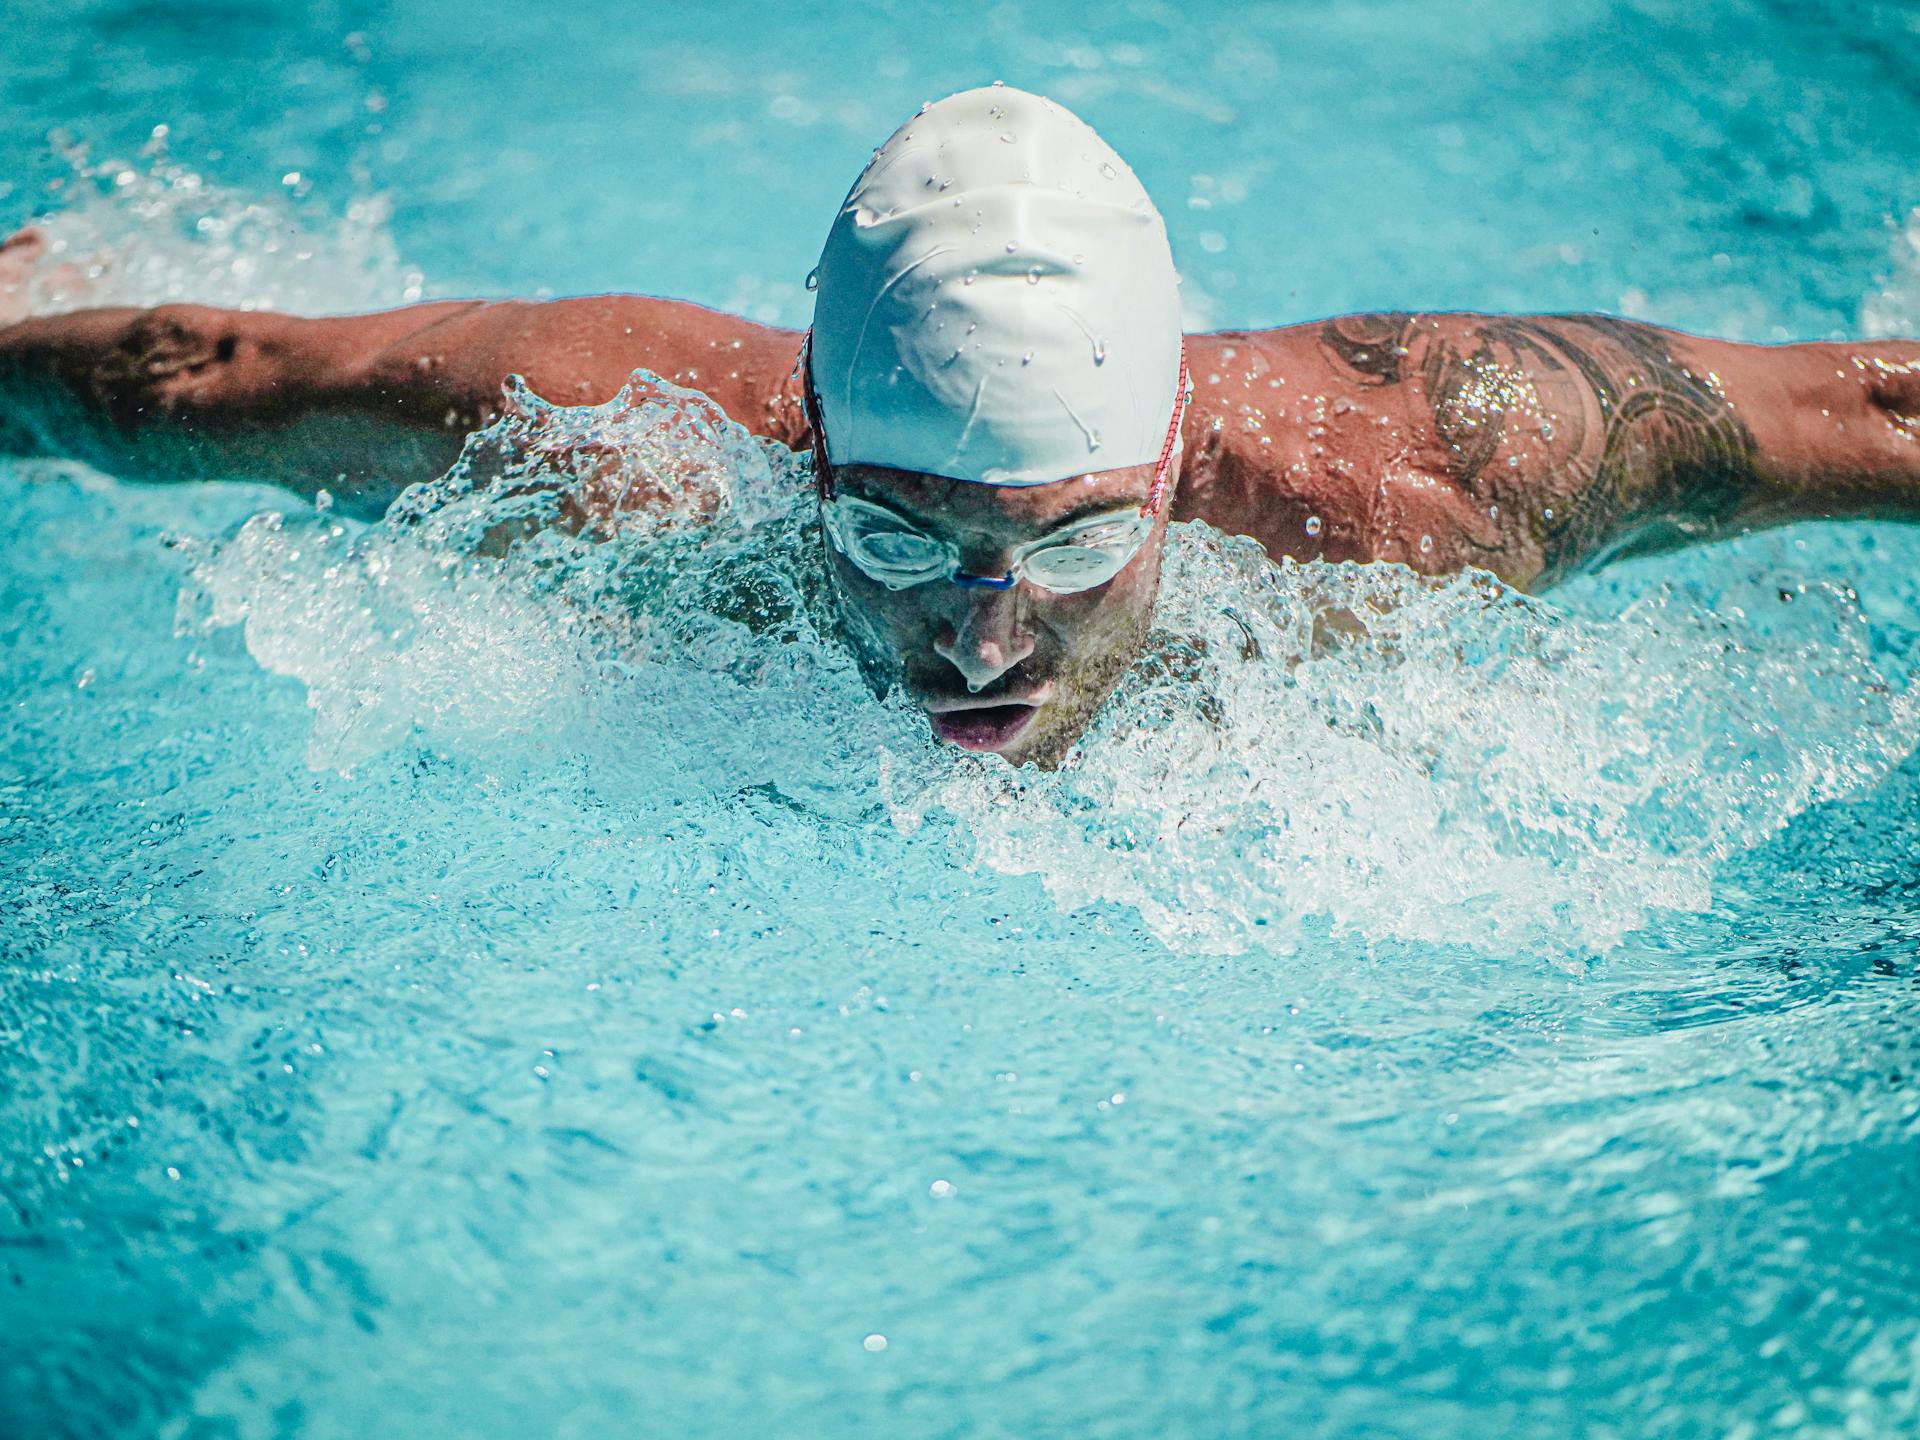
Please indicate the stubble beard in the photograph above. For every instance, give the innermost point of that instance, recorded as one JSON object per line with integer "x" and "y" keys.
{"x": 1078, "y": 694}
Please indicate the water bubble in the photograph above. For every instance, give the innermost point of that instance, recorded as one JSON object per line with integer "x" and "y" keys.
{"x": 967, "y": 279}
{"x": 1007, "y": 136}
{"x": 1027, "y": 359}
{"x": 1011, "y": 247}
{"x": 1547, "y": 514}
{"x": 1033, "y": 275}
{"x": 1099, "y": 352}
{"x": 1313, "y": 525}
{"x": 875, "y": 1344}
{"x": 813, "y": 278}
{"x": 940, "y": 1189}
{"x": 1426, "y": 544}
{"x": 1106, "y": 169}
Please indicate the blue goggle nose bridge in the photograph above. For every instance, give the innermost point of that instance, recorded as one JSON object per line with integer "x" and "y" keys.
{"x": 967, "y": 580}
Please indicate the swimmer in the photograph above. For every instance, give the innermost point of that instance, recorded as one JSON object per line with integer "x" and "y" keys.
{"x": 1005, "y": 416}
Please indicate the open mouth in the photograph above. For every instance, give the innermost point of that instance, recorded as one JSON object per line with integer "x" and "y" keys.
{"x": 985, "y": 727}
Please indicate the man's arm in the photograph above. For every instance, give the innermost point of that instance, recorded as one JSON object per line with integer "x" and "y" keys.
{"x": 1535, "y": 446}
{"x": 360, "y": 405}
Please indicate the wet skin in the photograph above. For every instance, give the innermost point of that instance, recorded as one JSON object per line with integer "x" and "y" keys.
{"x": 1017, "y": 671}
{"x": 1529, "y": 446}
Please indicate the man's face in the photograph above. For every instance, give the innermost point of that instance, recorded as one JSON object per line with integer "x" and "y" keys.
{"x": 1018, "y": 671}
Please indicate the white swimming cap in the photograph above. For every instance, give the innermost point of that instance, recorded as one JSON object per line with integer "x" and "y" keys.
{"x": 997, "y": 301}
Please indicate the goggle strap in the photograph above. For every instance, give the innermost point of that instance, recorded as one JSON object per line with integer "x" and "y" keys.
{"x": 1162, "y": 472}
{"x": 822, "y": 465}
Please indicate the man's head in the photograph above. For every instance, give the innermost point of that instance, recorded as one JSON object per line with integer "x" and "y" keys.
{"x": 996, "y": 376}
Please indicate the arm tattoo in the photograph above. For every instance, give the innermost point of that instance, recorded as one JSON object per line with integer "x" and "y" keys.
{"x": 1601, "y": 427}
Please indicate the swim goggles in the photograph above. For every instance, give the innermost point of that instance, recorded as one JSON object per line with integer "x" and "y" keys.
{"x": 888, "y": 548}
{"x": 885, "y": 546}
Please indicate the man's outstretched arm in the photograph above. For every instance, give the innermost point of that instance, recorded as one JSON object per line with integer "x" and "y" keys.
{"x": 360, "y": 405}
{"x": 1535, "y": 446}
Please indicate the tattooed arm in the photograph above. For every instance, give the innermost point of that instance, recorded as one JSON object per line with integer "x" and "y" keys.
{"x": 1535, "y": 446}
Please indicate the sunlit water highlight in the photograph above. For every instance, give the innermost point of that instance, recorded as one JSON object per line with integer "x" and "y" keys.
{"x": 453, "y": 995}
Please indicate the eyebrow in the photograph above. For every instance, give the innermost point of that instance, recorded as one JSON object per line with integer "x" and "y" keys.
{"x": 1072, "y": 517}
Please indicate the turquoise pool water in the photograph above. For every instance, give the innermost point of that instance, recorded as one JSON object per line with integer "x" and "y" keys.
{"x": 449, "y": 998}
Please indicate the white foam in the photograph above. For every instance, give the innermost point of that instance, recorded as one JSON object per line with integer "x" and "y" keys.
{"x": 1468, "y": 766}
{"x": 149, "y": 231}
{"x": 1299, "y": 747}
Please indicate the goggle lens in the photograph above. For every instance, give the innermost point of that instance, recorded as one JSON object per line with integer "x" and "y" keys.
{"x": 884, "y": 548}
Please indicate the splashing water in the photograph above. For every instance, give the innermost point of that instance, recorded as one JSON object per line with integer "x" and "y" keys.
{"x": 628, "y": 1015}
{"x": 1439, "y": 761}
{"x": 202, "y": 243}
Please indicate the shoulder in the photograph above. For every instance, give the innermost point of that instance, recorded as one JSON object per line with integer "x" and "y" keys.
{"x": 1298, "y": 437}
{"x": 1438, "y": 440}
{"x": 580, "y": 350}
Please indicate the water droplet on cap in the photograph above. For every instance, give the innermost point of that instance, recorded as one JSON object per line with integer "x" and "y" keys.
{"x": 1027, "y": 359}
{"x": 967, "y": 279}
{"x": 813, "y": 278}
{"x": 1106, "y": 169}
{"x": 1007, "y": 136}
{"x": 1033, "y": 276}
{"x": 1011, "y": 247}
{"x": 1099, "y": 352}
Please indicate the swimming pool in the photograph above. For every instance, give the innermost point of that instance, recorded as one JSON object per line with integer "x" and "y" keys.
{"x": 445, "y": 998}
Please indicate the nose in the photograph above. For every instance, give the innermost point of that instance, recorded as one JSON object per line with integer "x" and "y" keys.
{"x": 991, "y": 638}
